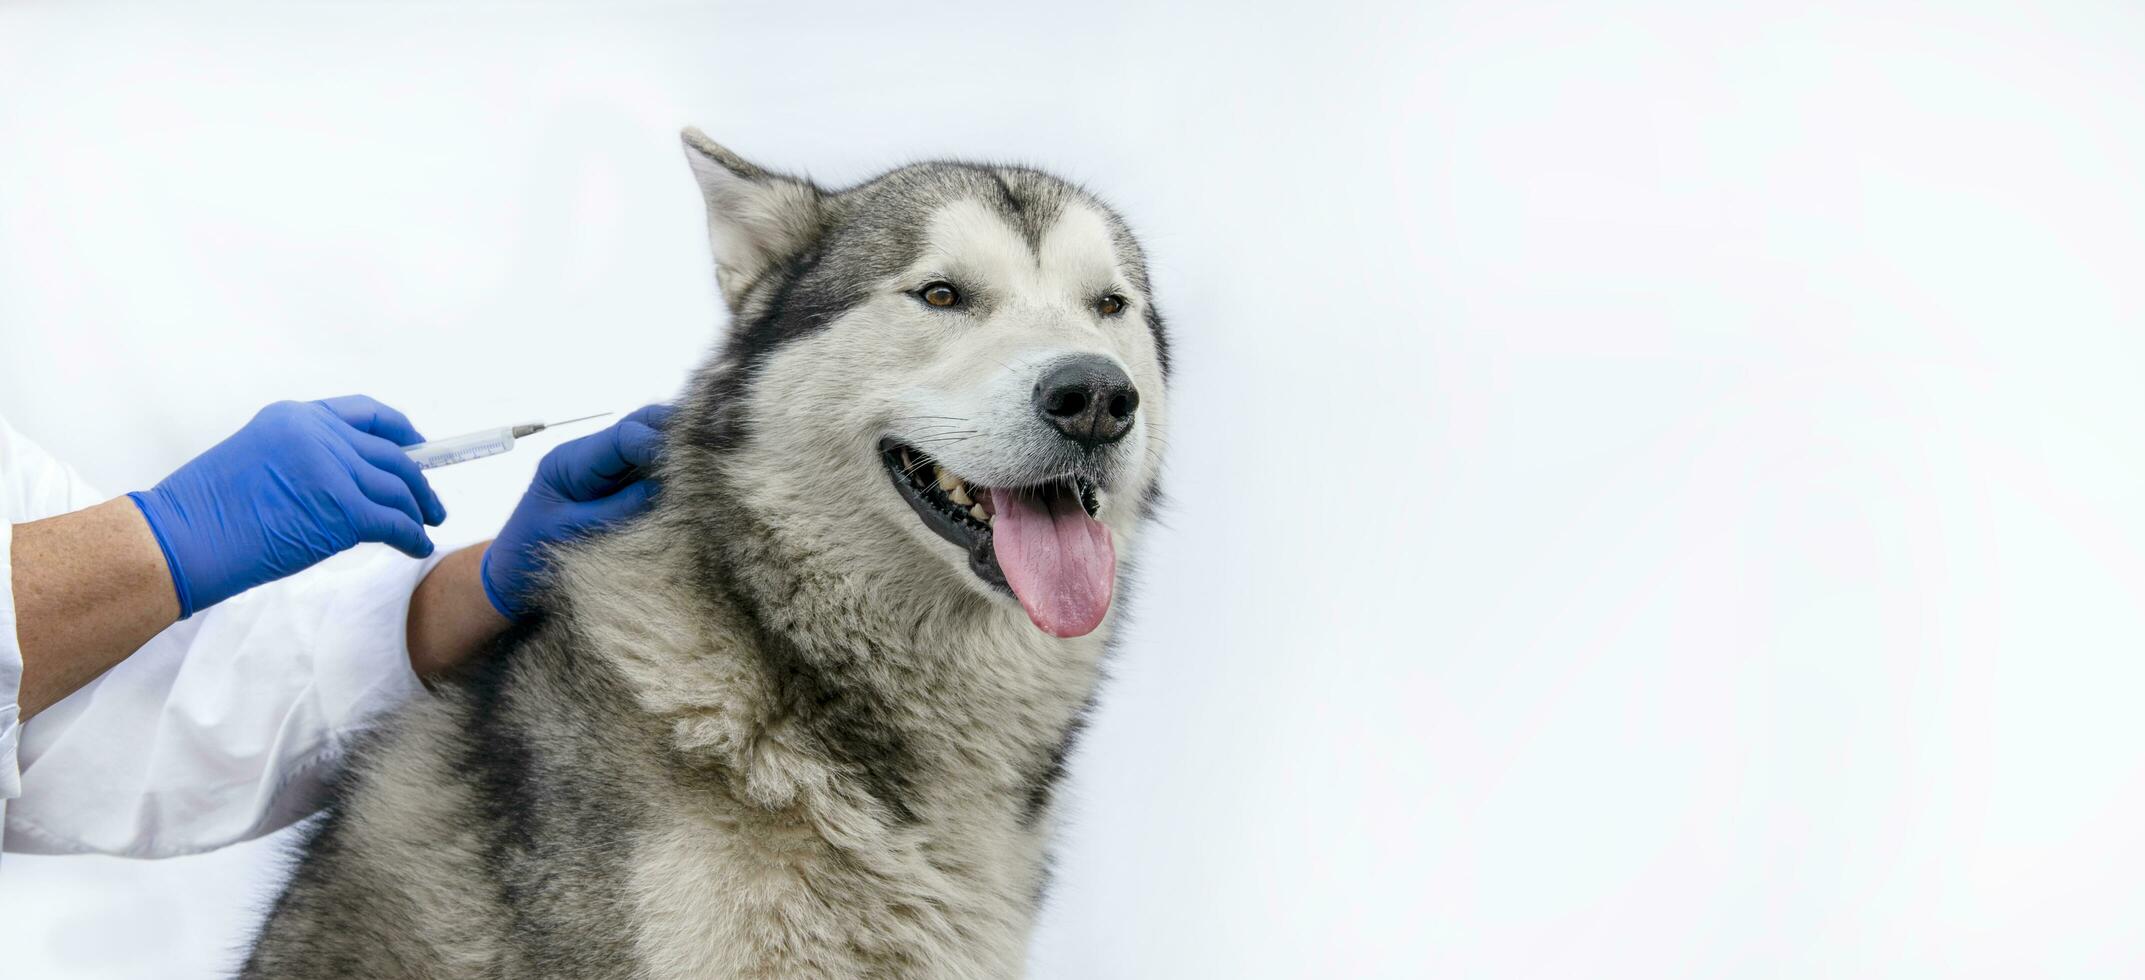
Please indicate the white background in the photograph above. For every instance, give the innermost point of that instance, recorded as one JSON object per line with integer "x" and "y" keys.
{"x": 1657, "y": 485}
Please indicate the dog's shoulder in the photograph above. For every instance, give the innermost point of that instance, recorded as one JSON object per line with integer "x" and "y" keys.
{"x": 454, "y": 819}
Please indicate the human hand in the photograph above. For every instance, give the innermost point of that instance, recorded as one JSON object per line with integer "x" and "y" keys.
{"x": 301, "y": 482}
{"x": 580, "y": 486}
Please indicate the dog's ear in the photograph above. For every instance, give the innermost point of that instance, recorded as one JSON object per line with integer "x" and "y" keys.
{"x": 756, "y": 218}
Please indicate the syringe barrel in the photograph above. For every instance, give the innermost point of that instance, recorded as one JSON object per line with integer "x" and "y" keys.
{"x": 457, "y": 449}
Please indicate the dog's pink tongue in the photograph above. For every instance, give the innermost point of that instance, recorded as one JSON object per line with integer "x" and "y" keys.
{"x": 1059, "y": 561}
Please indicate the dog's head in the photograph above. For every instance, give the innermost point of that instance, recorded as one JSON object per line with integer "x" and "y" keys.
{"x": 951, "y": 374}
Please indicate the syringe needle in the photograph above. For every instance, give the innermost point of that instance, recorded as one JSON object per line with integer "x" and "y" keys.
{"x": 536, "y": 427}
{"x": 583, "y": 418}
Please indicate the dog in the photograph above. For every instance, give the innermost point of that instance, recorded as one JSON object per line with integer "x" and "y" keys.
{"x": 804, "y": 718}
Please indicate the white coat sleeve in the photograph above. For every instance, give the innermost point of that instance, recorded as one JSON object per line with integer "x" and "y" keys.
{"x": 10, "y": 675}
{"x": 223, "y": 727}
{"x": 32, "y": 485}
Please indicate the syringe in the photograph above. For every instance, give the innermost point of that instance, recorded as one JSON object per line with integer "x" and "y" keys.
{"x": 479, "y": 444}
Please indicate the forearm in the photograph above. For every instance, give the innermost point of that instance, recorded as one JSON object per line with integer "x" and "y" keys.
{"x": 90, "y": 588}
{"x": 450, "y": 619}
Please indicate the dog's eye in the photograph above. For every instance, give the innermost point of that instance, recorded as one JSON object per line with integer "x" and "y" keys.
{"x": 1110, "y": 305}
{"x": 940, "y": 294}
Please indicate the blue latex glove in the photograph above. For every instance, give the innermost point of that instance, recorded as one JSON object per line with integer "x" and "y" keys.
{"x": 301, "y": 482}
{"x": 580, "y": 487}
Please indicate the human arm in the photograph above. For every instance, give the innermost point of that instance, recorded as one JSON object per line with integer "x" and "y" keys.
{"x": 90, "y": 587}
{"x": 225, "y": 726}
{"x": 579, "y": 487}
{"x": 300, "y": 482}
{"x": 163, "y": 720}
{"x": 450, "y": 619}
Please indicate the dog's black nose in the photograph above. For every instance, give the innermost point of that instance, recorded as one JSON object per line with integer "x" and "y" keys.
{"x": 1089, "y": 399}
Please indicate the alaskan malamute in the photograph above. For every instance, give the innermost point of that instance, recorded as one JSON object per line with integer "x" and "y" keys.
{"x": 804, "y": 718}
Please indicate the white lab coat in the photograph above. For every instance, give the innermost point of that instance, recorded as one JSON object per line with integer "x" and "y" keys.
{"x": 220, "y": 729}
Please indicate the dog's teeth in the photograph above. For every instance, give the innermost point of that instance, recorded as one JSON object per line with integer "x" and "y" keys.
{"x": 959, "y": 495}
{"x": 946, "y": 481}
{"x": 977, "y": 513}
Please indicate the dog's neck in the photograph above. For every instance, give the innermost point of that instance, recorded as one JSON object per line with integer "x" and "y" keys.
{"x": 812, "y": 677}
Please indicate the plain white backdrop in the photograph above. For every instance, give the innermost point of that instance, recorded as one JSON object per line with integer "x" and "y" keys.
{"x": 1657, "y": 486}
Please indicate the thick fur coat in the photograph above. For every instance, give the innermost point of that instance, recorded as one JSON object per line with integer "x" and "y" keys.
{"x": 793, "y": 722}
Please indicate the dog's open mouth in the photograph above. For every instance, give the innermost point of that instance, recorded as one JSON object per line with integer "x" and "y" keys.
{"x": 1042, "y": 543}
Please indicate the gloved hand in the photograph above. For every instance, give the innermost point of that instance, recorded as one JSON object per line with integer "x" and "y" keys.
{"x": 579, "y": 487}
{"x": 301, "y": 482}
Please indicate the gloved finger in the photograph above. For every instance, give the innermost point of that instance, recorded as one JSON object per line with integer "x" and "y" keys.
{"x": 378, "y": 485}
{"x": 636, "y": 441}
{"x": 366, "y": 415}
{"x": 619, "y": 506}
{"x": 393, "y": 528}
{"x": 386, "y": 457}
{"x": 639, "y": 443}
{"x": 595, "y": 466}
{"x": 656, "y": 416}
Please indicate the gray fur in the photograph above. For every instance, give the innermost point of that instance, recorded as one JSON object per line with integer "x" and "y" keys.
{"x": 774, "y": 728}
